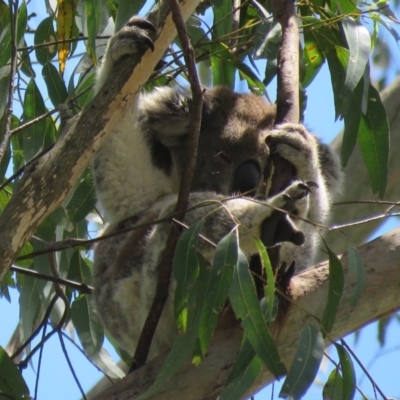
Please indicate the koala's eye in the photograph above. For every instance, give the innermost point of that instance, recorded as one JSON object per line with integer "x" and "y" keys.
{"x": 247, "y": 177}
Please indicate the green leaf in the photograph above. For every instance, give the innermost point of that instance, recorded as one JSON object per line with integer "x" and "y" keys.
{"x": 87, "y": 324}
{"x": 335, "y": 291}
{"x": 125, "y": 10}
{"x": 45, "y": 34}
{"x": 359, "y": 41}
{"x": 55, "y": 85}
{"x": 356, "y": 267}
{"x": 83, "y": 199}
{"x": 305, "y": 364}
{"x": 222, "y": 66}
{"x": 347, "y": 6}
{"x": 92, "y": 13}
{"x": 246, "y": 306}
{"x": 352, "y": 111}
{"x": 12, "y": 384}
{"x": 348, "y": 373}
{"x": 33, "y": 136}
{"x": 4, "y": 85}
{"x": 269, "y": 288}
{"x": 186, "y": 270}
{"x": 217, "y": 290}
{"x": 5, "y": 34}
{"x": 238, "y": 387}
{"x": 333, "y": 388}
{"x": 374, "y": 138}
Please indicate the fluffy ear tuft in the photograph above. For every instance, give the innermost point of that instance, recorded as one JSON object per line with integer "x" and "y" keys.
{"x": 165, "y": 113}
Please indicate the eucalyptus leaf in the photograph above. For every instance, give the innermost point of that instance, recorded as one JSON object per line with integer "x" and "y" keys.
{"x": 305, "y": 364}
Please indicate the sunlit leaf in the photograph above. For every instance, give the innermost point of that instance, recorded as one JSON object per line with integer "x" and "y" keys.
{"x": 65, "y": 17}
{"x": 186, "y": 270}
{"x": 359, "y": 41}
{"x": 335, "y": 291}
{"x": 221, "y": 276}
{"x": 246, "y": 306}
{"x": 348, "y": 373}
{"x": 305, "y": 364}
{"x": 333, "y": 388}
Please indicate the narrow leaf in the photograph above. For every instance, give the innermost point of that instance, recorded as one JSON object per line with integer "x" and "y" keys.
{"x": 217, "y": 290}
{"x": 348, "y": 373}
{"x": 238, "y": 388}
{"x": 305, "y": 364}
{"x": 246, "y": 306}
{"x": 359, "y": 41}
{"x": 87, "y": 324}
{"x": 186, "y": 269}
{"x": 356, "y": 268}
{"x": 335, "y": 291}
{"x": 374, "y": 139}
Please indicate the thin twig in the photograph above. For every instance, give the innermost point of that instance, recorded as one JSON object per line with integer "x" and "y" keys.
{"x": 71, "y": 367}
{"x": 81, "y": 287}
{"x": 13, "y": 70}
{"x": 39, "y": 363}
{"x": 165, "y": 270}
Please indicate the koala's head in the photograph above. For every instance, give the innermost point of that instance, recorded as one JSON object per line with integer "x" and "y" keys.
{"x": 232, "y": 153}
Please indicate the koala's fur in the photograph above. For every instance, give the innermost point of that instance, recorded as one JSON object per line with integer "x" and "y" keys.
{"x": 137, "y": 176}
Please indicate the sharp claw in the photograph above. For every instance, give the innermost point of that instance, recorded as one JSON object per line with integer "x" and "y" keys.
{"x": 305, "y": 187}
{"x": 142, "y": 24}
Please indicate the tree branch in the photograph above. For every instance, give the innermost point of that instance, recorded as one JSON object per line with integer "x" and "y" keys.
{"x": 49, "y": 181}
{"x": 310, "y": 289}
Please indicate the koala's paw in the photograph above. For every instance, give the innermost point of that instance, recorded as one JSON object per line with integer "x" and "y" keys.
{"x": 135, "y": 38}
{"x": 279, "y": 227}
{"x": 295, "y": 144}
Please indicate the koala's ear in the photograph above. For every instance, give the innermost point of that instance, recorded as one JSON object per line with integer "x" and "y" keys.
{"x": 165, "y": 113}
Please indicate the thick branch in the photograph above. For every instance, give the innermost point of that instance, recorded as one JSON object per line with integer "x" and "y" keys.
{"x": 45, "y": 183}
{"x": 380, "y": 297}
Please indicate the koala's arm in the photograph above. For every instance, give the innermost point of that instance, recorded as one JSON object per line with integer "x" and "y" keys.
{"x": 134, "y": 166}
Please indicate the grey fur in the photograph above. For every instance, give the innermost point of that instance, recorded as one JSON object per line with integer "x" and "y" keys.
{"x": 137, "y": 176}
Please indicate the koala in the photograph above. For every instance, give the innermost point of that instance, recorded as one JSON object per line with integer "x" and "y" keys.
{"x": 137, "y": 173}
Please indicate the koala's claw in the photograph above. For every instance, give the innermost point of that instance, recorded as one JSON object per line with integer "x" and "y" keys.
{"x": 143, "y": 25}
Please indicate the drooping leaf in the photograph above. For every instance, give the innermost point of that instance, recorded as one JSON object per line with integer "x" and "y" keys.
{"x": 55, "y": 85}
{"x": 374, "y": 140}
{"x": 269, "y": 288}
{"x": 125, "y": 10}
{"x": 93, "y": 15}
{"x": 45, "y": 33}
{"x": 348, "y": 373}
{"x": 359, "y": 41}
{"x": 83, "y": 199}
{"x": 186, "y": 270}
{"x": 246, "y": 306}
{"x": 12, "y": 384}
{"x": 356, "y": 267}
{"x": 33, "y": 136}
{"x": 239, "y": 386}
{"x": 65, "y": 22}
{"x": 305, "y": 364}
{"x": 4, "y": 85}
{"x": 333, "y": 388}
{"x": 5, "y": 34}
{"x": 87, "y": 324}
{"x": 335, "y": 291}
{"x": 220, "y": 280}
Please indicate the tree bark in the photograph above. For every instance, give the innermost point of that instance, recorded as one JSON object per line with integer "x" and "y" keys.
{"x": 48, "y": 181}
{"x": 310, "y": 288}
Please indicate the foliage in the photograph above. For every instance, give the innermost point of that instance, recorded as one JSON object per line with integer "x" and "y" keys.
{"x": 56, "y": 60}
